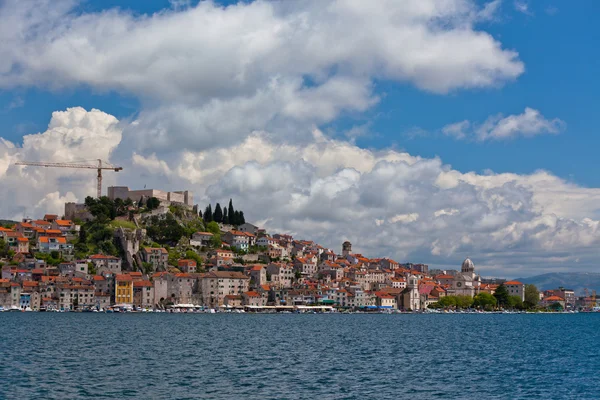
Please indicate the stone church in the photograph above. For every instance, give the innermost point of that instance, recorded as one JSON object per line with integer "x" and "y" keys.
{"x": 465, "y": 283}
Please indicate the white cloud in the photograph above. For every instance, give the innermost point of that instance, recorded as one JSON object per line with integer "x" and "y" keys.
{"x": 388, "y": 203}
{"x": 528, "y": 124}
{"x": 72, "y": 136}
{"x": 451, "y": 211}
{"x": 522, "y": 7}
{"x": 404, "y": 218}
{"x": 210, "y": 75}
{"x": 457, "y": 130}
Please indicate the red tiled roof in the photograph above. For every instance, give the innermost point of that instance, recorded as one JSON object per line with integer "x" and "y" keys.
{"x": 513, "y": 283}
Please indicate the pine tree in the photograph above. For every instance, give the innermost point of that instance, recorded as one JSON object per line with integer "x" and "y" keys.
{"x": 236, "y": 218}
{"x": 208, "y": 217}
{"x": 218, "y": 214}
{"x": 242, "y": 219}
{"x": 231, "y": 213}
{"x": 225, "y": 217}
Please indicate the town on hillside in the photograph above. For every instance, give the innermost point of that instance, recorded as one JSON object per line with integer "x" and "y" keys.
{"x": 150, "y": 250}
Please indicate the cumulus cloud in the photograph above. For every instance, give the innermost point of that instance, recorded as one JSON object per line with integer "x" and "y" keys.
{"x": 208, "y": 75}
{"x": 388, "y": 203}
{"x": 74, "y": 135}
{"x": 528, "y": 124}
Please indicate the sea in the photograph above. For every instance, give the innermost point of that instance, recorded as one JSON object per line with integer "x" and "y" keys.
{"x": 299, "y": 356}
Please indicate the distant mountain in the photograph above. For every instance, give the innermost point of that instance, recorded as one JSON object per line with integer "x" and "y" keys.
{"x": 569, "y": 280}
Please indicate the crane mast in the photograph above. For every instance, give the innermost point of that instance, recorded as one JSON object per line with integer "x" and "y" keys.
{"x": 99, "y": 168}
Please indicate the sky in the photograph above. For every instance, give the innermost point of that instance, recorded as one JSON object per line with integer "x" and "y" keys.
{"x": 422, "y": 130}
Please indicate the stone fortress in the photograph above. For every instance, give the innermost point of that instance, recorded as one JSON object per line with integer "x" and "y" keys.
{"x": 185, "y": 198}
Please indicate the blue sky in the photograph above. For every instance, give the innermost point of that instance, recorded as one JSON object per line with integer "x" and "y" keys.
{"x": 555, "y": 41}
{"x": 424, "y": 130}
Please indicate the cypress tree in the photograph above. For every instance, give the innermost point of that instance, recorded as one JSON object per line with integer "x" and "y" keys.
{"x": 231, "y": 213}
{"x": 236, "y": 218}
{"x": 242, "y": 219}
{"x": 225, "y": 217}
{"x": 208, "y": 217}
{"x": 218, "y": 214}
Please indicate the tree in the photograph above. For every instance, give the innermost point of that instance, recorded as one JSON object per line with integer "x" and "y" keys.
{"x": 83, "y": 234}
{"x": 165, "y": 230}
{"x": 230, "y": 212}
{"x": 447, "y": 301}
{"x": 236, "y": 218}
{"x": 208, "y": 215}
{"x": 3, "y": 248}
{"x": 515, "y": 302}
{"x": 532, "y": 296}
{"x": 501, "y": 295}
{"x": 152, "y": 203}
{"x": 464, "y": 301}
{"x": 218, "y": 214}
{"x": 556, "y": 306}
{"x": 213, "y": 228}
{"x": 225, "y": 217}
{"x": 484, "y": 300}
{"x": 242, "y": 220}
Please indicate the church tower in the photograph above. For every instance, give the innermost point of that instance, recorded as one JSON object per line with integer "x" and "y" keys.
{"x": 346, "y": 248}
{"x": 468, "y": 268}
{"x": 412, "y": 299}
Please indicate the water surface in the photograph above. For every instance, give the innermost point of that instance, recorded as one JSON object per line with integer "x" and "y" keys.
{"x": 244, "y": 356}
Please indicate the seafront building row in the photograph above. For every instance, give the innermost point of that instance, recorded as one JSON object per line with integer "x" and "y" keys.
{"x": 309, "y": 274}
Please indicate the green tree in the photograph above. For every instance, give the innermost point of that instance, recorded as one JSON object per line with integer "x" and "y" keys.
{"x": 82, "y": 234}
{"x": 230, "y": 212}
{"x": 556, "y": 306}
{"x": 242, "y": 220}
{"x": 502, "y": 296}
{"x": 236, "y": 218}
{"x": 213, "y": 228}
{"x": 3, "y": 248}
{"x": 515, "y": 302}
{"x": 92, "y": 268}
{"x": 225, "y": 217}
{"x": 447, "y": 301}
{"x": 165, "y": 230}
{"x": 208, "y": 215}
{"x": 152, "y": 203}
{"x": 532, "y": 296}
{"x": 484, "y": 300}
{"x": 218, "y": 214}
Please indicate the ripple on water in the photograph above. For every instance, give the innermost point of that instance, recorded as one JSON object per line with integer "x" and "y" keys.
{"x": 105, "y": 356}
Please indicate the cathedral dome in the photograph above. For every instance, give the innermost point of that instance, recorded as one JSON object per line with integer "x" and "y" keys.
{"x": 468, "y": 265}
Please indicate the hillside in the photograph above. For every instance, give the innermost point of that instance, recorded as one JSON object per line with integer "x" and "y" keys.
{"x": 578, "y": 281}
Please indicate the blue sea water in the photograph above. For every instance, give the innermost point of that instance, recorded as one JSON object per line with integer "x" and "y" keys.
{"x": 243, "y": 356}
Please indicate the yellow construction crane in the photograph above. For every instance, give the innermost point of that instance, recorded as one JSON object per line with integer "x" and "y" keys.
{"x": 100, "y": 166}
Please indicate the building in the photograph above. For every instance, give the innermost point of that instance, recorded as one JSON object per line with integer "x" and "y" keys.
{"x": 516, "y": 288}
{"x": 410, "y": 297}
{"x": 143, "y": 294}
{"x": 104, "y": 264}
{"x": 346, "y": 249}
{"x": 158, "y": 257}
{"x": 248, "y": 228}
{"x": 239, "y": 240}
{"x": 49, "y": 244}
{"x": 124, "y": 289}
{"x": 200, "y": 239}
{"x": 166, "y": 198}
{"x": 187, "y": 266}
{"x": 465, "y": 283}
{"x": 215, "y": 285}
